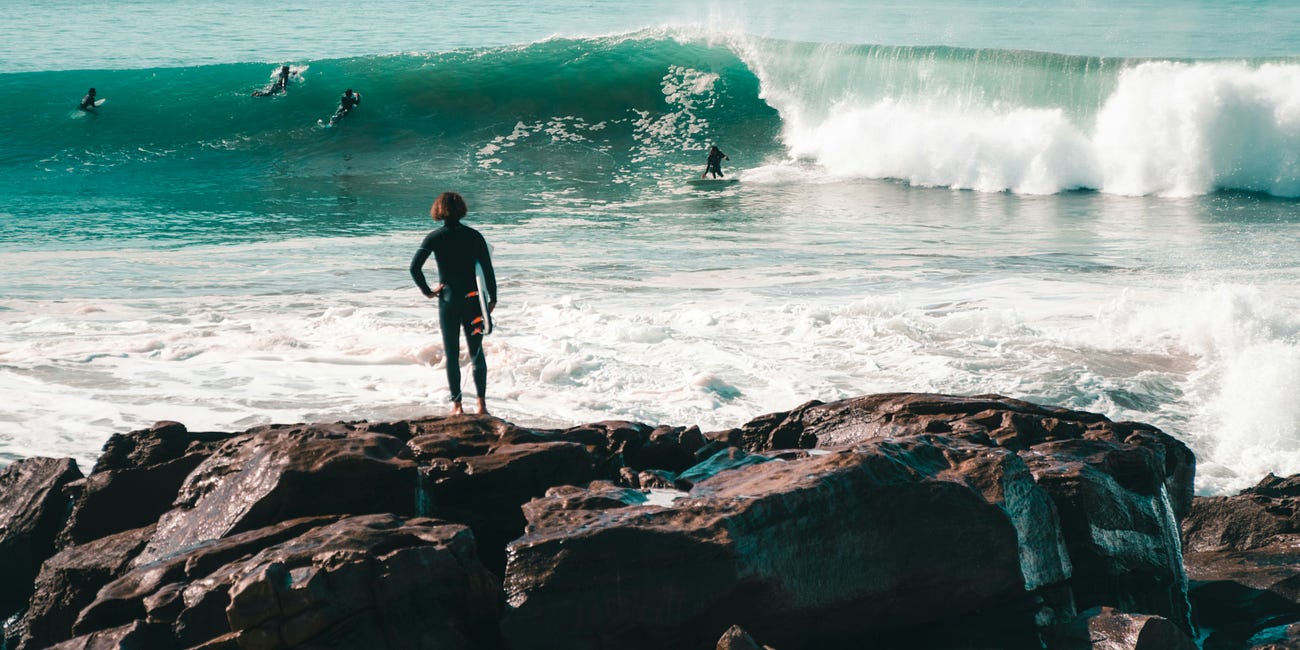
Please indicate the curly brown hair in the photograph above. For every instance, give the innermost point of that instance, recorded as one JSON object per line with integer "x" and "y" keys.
{"x": 449, "y": 207}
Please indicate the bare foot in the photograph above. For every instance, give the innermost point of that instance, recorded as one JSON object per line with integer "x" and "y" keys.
{"x": 482, "y": 406}
{"x": 457, "y": 409}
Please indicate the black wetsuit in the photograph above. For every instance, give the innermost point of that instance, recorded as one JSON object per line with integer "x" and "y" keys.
{"x": 715, "y": 162}
{"x": 87, "y": 102}
{"x": 280, "y": 84}
{"x": 346, "y": 104}
{"x": 456, "y": 248}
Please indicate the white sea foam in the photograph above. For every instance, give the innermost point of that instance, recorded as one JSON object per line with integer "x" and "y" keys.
{"x": 1167, "y": 128}
{"x": 1245, "y": 344}
{"x": 1183, "y": 129}
{"x": 126, "y": 363}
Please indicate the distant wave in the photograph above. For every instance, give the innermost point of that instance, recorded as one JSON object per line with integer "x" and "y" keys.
{"x": 636, "y": 108}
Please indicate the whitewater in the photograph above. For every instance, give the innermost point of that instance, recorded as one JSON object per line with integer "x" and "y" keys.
{"x": 1083, "y": 210}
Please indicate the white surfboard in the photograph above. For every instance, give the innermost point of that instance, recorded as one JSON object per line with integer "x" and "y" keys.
{"x": 81, "y": 112}
{"x": 484, "y": 298}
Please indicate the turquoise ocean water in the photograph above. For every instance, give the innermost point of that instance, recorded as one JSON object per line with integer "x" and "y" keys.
{"x": 1091, "y": 205}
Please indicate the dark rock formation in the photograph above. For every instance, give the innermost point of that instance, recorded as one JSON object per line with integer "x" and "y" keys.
{"x": 883, "y": 535}
{"x": 1120, "y": 487}
{"x": 133, "y": 636}
{"x": 901, "y": 520}
{"x": 370, "y": 581}
{"x": 486, "y": 492}
{"x": 481, "y": 470}
{"x": 68, "y": 582}
{"x": 1108, "y": 629}
{"x": 136, "y": 480}
{"x": 1122, "y": 534}
{"x": 725, "y": 459}
{"x": 154, "y": 591}
{"x": 33, "y": 508}
{"x": 1255, "y": 518}
{"x": 983, "y": 419}
{"x": 261, "y": 478}
{"x": 1243, "y": 559}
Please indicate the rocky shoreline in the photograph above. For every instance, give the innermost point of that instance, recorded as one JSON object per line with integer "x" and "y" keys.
{"x": 883, "y": 521}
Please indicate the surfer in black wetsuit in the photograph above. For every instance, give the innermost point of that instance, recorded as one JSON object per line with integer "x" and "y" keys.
{"x": 715, "y": 162}
{"x": 87, "y": 102}
{"x": 279, "y": 85}
{"x": 347, "y": 102}
{"x": 456, "y": 248}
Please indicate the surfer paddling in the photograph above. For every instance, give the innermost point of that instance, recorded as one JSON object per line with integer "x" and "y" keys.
{"x": 347, "y": 102}
{"x": 458, "y": 249}
{"x": 88, "y": 102}
{"x": 279, "y": 85}
{"x": 715, "y": 162}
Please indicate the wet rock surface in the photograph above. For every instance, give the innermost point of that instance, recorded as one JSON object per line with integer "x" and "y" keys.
{"x": 33, "y": 507}
{"x": 1243, "y": 560}
{"x": 68, "y": 582}
{"x": 906, "y": 520}
{"x": 1109, "y": 629}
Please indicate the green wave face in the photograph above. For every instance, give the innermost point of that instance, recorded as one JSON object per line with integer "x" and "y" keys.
{"x": 611, "y": 111}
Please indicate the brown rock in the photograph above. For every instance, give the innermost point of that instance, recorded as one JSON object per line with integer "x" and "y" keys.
{"x": 162, "y": 443}
{"x": 1109, "y": 629}
{"x": 1242, "y": 554}
{"x": 617, "y": 444}
{"x": 891, "y": 534}
{"x": 364, "y": 581}
{"x": 68, "y": 582}
{"x": 136, "y": 480}
{"x": 135, "y": 635}
{"x": 454, "y": 437}
{"x": 153, "y": 590}
{"x": 113, "y": 501}
{"x": 1279, "y": 637}
{"x": 1255, "y": 518}
{"x": 32, "y": 510}
{"x": 1120, "y": 487}
{"x": 486, "y": 492}
{"x": 726, "y": 459}
{"x": 982, "y": 419}
{"x": 1112, "y": 630}
{"x": 276, "y": 474}
{"x": 1118, "y": 525}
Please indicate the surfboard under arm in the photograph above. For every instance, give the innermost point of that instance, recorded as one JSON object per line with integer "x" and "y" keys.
{"x": 484, "y": 298}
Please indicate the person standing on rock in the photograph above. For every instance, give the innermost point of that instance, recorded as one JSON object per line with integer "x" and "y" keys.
{"x": 456, "y": 248}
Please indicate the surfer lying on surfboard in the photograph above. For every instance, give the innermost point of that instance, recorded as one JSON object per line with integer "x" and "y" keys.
{"x": 88, "y": 103}
{"x": 715, "y": 162}
{"x": 347, "y": 102}
{"x": 460, "y": 252}
{"x": 279, "y": 84}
